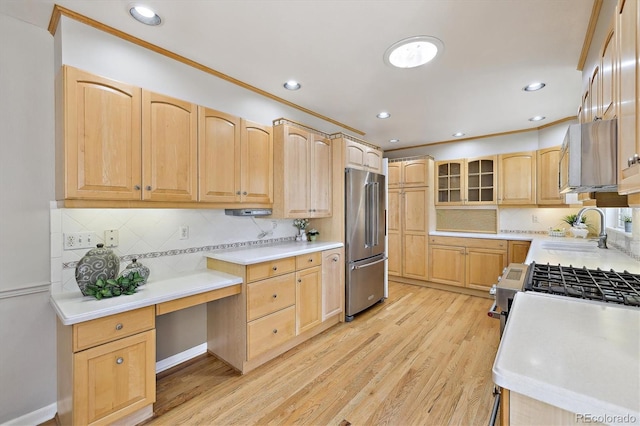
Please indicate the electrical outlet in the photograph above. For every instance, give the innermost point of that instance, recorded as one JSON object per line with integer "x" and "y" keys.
{"x": 534, "y": 218}
{"x": 111, "y": 238}
{"x": 79, "y": 240}
{"x": 183, "y": 232}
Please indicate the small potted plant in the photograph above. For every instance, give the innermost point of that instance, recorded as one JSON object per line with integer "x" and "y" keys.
{"x": 313, "y": 234}
{"x": 301, "y": 224}
{"x": 627, "y": 223}
{"x": 577, "y": 229}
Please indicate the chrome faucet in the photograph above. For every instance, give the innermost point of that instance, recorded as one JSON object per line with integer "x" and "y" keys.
{"x": 602, "y": 238}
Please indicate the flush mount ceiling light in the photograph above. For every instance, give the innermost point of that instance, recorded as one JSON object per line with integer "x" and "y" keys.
{"x": 383, "y": 114}
{"x": 537, "y": 118}
{"x": 292, "y": 85}
{"x": 413, "y": 51}
{"x": 458, "y": 135}
{"x": 394, "y": 140}
{"x": 145, "y": 15}
{"x": 533, "y": 87}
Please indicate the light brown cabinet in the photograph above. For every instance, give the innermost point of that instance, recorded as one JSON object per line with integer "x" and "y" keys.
{"x": 408, "y": 173}
{"x": 518, "y": 251}
{"x": 627, "y": 30}
{"x": 362, "y": 156}
{"x": 309, "y": 293}
{"x": 475, "y": 263}
{"x": 332, "y": 282}
{"x": 517, "y": 178}
{"x": 302, "y": 173}
{"x": 106, "y": 367}
{"x": 235, "y": 159}
{"x": 471, "y": 181}
{"x": 547, "y": 177}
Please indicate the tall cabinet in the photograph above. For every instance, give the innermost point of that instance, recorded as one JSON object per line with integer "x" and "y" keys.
{"x": 408, "y": 217}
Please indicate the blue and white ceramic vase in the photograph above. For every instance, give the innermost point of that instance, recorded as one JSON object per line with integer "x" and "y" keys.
{"x": 98, "y": 263}
{"x": 138, "y": 267}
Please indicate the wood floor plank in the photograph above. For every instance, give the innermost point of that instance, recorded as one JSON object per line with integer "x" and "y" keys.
{"x": 422, "y": 357}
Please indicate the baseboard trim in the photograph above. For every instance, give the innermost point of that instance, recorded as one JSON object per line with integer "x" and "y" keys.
{"x": 35, "y": 417}
{"x": 181, "y": 357}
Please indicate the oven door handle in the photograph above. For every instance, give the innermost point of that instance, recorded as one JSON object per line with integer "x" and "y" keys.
{"x": 492, "y": 311}
{"x": 496, "y": 406}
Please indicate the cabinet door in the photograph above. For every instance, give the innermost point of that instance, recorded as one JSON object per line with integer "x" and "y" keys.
{"x": 320, "y": 177}
{"x": 355, "y": 154}
{"x": 115, "y": 379}
{"x": 517, "y": 177}
{"x": 101, "y": 138}
{"x": 394, "y": 250}
{"x": 373, "y": 160}
{"x": 308, "y": 299}
{"x": 450, "y": 182}
{"x": 414, "y": 173}
{"x": 446, "y": 265}
{"x": 518, "y": 251}
{"x": 481, "y": 180}
{"x": 415, "y": 233}
{"x": 484, "y": 266}
{"x": 296, "y": 172}
{"x": 547, "y": 177}
{"x": 169, "y": 148}
{"x": 607, "y": 80}
{"x": 332, "y": 282}
{"x": 219, "y": 156}
{"x": 628, "y": 32}
{"x": 256, "y": 181}
{"x": 394, "y": 174}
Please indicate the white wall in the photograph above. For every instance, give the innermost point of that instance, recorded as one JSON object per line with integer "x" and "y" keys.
{"x": 27, "y": 322}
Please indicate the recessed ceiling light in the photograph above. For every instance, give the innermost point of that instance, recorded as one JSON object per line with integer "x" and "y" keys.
{"x": 458, "y": 135}
{"x": 413, "y": 51}
{"x": 537, "y": 118}
{"x": 292, "y": 85}
{"x": 394, "y": 140}
{"x": 383, "y": 114}
{"x": 145, "y": 15}
{"x": 533, "y": 87}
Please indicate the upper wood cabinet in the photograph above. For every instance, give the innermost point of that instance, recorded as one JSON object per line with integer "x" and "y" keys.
{"x": 302, "y": 173}
{"x": 606, "y": 108}
{"x": 408, "y": 173}
{"x": 628, "y": 84}
{"x": 547, "y": 176}
{"x": 169, "y": 148}
{"x": 517, "y": 178}
{"x": 235, "y": 159}
{"x": 362, "y": 156}
{"x": 469, "y": 181}
{"x": 101, "y": 156}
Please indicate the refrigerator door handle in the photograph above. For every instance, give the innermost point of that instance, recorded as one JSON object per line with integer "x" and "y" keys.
{"x": 372, "y": 202}
{"x": 368, "y": 264}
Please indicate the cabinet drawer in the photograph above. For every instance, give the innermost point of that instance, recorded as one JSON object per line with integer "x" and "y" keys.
{"x": 270, "y": 295}
{"x": 308, "y": 260}
{"x": 271, "y": 331}
{"x": 102, "y": 330}
{"x": 260, "y": 271}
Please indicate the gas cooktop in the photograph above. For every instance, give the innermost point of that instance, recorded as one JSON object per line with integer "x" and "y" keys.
{"x": 593, "y": 284}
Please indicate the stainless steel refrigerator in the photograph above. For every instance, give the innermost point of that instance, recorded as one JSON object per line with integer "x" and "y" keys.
{"x": 365, "y": 240}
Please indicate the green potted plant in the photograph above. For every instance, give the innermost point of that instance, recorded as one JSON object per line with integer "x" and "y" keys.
{"x": 313, "y": 234}
{"x": 627, "y": 223}
{"x": 571, "y": 219}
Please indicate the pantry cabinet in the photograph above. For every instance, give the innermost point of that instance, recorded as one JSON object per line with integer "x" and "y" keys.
{"x": 235, "y": 159}
{"x": 517, "y": 178}
{"x": 471, "y": 181}
{"x": 408, "y": 173}
{"x": 302, "y": 173}
{"x": 106, "y": 367}
{"x": 362, "y": 156}
{"x": 474, "y": 263}
{"x": 547, "y": 177}
{"x": 628, "y": 75}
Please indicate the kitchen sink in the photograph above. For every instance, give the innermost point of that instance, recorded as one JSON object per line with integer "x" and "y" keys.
{"x": 590, "y": 246}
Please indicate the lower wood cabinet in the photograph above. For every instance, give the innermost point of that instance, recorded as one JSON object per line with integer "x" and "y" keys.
{"x": 101, "y": 382}
{"x": 474, "y": 263}
{"x": 332, "y": 282}
{"x": 518, "y": 251}
{"x": 270, "y": 331}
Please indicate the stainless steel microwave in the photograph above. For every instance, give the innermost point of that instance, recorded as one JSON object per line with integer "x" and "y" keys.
{"x": 589, "y": 157}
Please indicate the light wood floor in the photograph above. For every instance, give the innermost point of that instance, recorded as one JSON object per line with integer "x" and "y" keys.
{"x": 423, "y": 357}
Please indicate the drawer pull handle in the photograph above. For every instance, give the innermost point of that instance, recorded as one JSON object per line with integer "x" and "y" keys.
{"x": 119, "y": 326}
{"x": 275, "y": 331}
{"x": 275, "y": 268}
{"x": 310, "y": 260}
{"x": 120, "y": 360}
{"x": 275, "y": 296}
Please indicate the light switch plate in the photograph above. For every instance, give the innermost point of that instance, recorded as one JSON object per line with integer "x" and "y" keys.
{"x": 111, "y": 238}
{"x": 79, "y": 240}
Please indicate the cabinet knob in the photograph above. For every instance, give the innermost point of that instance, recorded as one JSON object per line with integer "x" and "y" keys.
{"x": 335, "y": 258}
{"x": 136, "y": 187}
{"x": 244, "y": 193}
{"x": 275, "y": 331}
{"x": 299, "y": 280}
{"x": 310, "y": 260}
{"x": 237, "y": 192}
{"x": 119, "y": 360}
{"x": 119, "y": 326}
{"x": 275, "y": 268}
{"x": 148, "y": 187}
{"x": 275, "y": 296}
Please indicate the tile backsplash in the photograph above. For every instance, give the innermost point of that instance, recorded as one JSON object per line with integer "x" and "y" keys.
{"x": 153, "y": 236}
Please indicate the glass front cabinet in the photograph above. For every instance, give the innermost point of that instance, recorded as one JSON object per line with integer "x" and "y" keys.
{"x": 471, "y": 181}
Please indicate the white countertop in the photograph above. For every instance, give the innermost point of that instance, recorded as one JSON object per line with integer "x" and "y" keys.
{"x": 73, "y": 307}
{"x": 581, "y": 356}
{"x": 257, "y": 254}
{"x": 520, "y": 236}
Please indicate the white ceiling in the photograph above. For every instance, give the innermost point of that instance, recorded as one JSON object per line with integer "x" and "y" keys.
{"x": 493, "y": 48}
